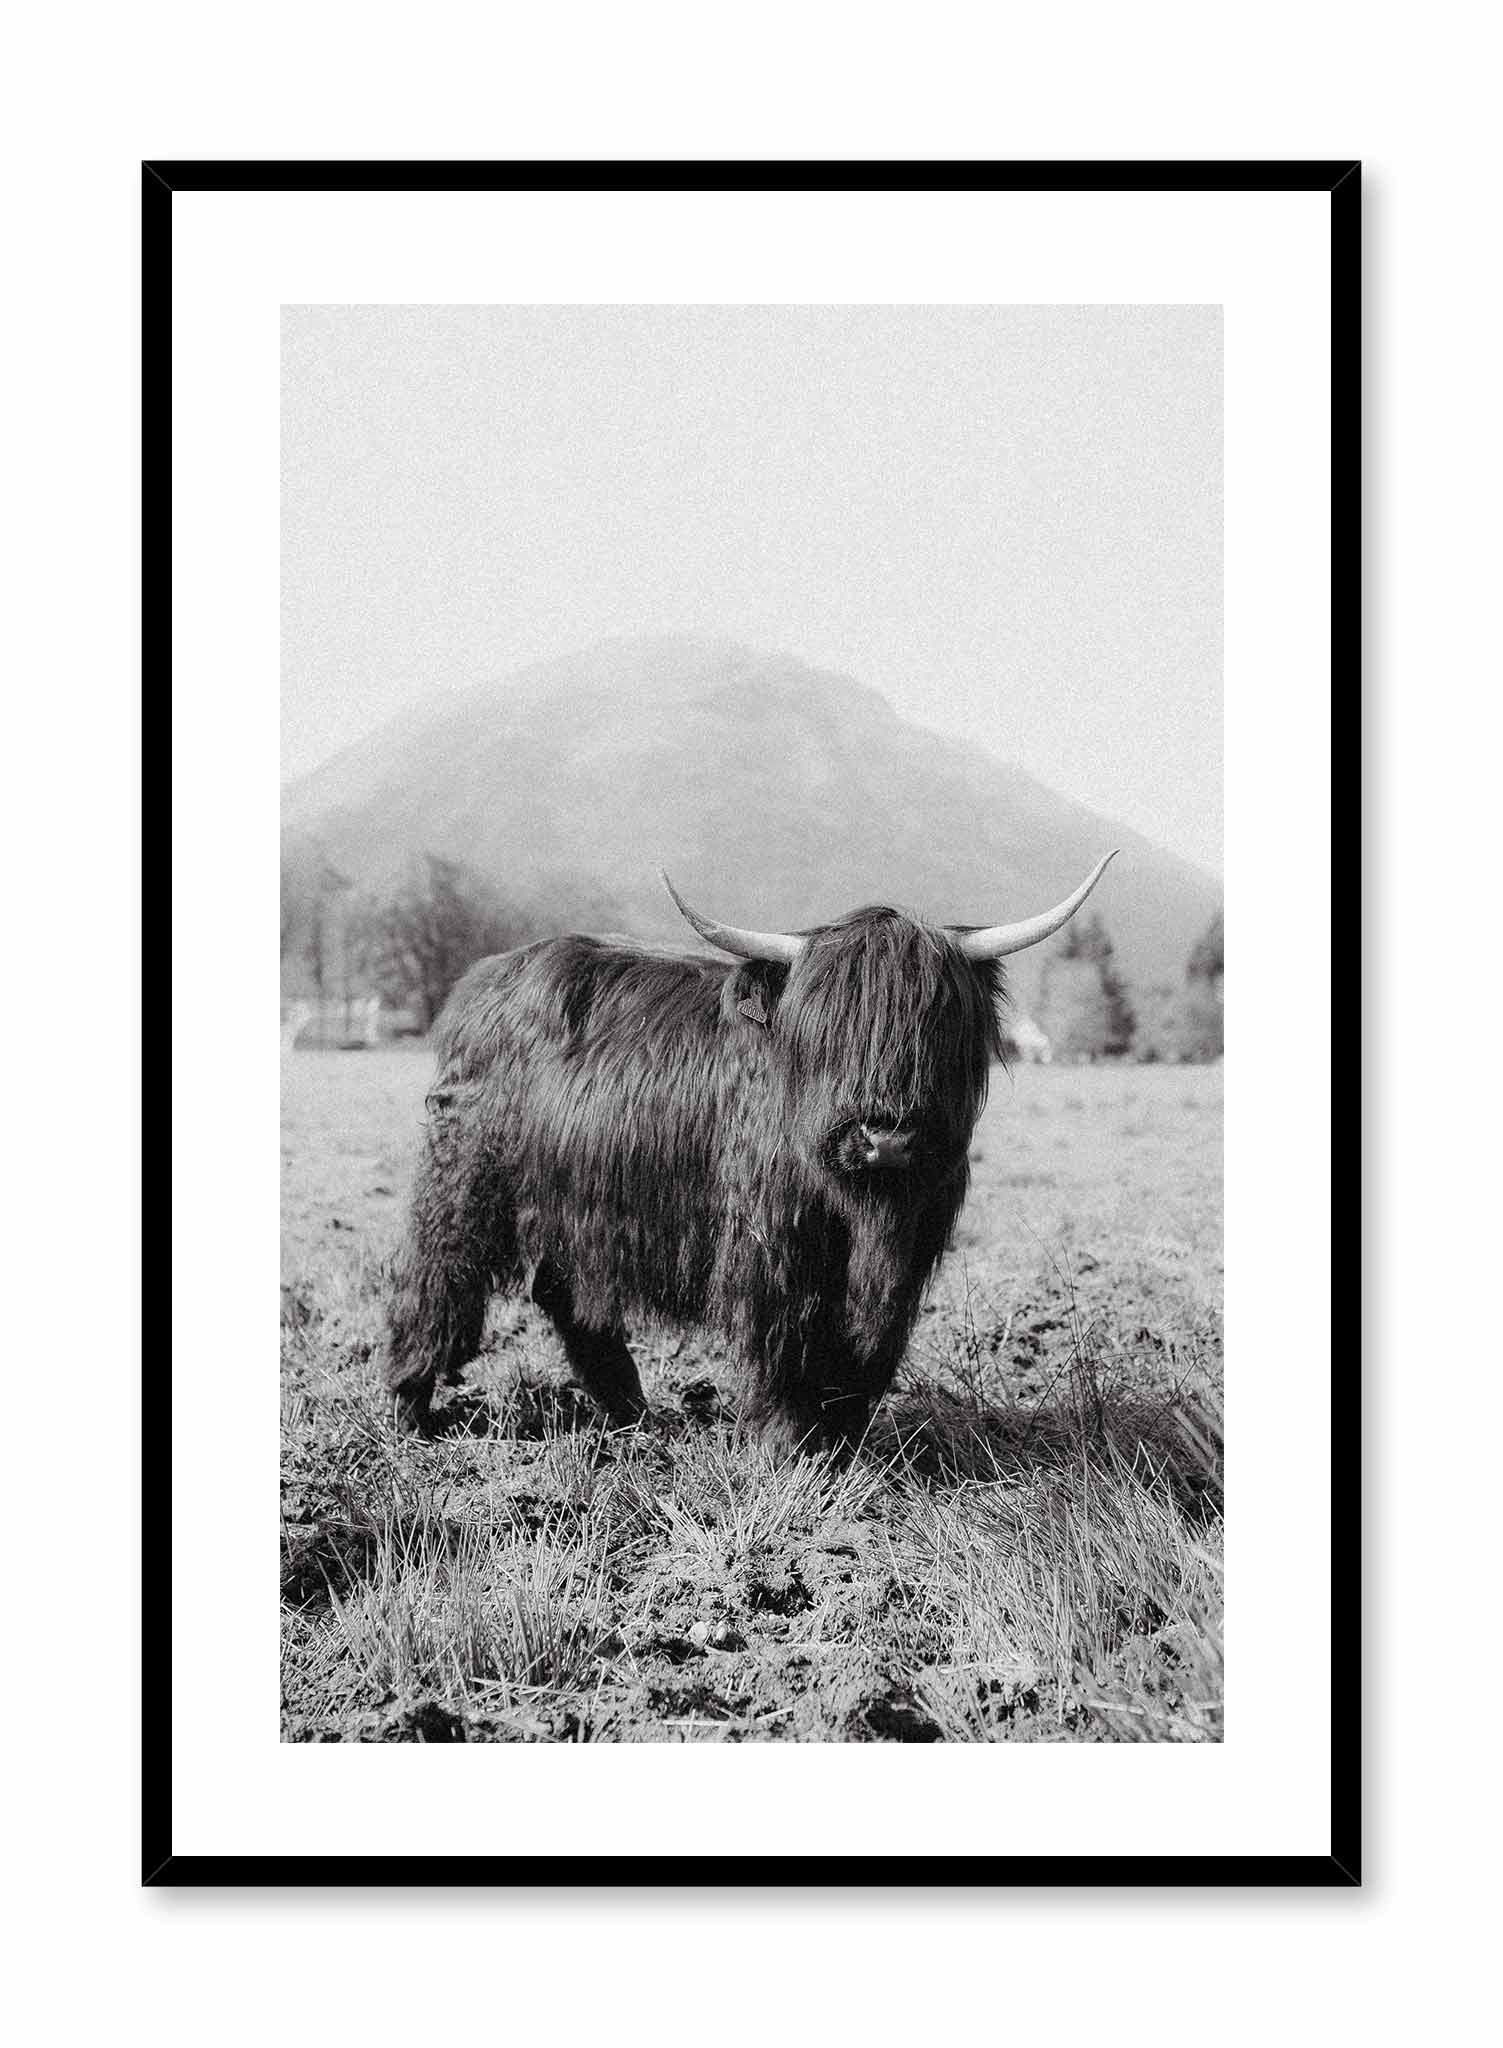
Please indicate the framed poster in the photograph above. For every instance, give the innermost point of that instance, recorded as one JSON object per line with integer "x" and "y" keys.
{"x": 774, "y": 1377}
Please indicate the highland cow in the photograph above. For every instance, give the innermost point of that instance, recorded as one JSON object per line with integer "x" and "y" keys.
{"x": 774, "y": 1147}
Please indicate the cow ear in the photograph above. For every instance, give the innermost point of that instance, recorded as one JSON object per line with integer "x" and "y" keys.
{"x": 751, "y": 993}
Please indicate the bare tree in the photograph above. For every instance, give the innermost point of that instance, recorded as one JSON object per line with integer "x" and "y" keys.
{"x": 290, "y": 910}
{"x": 417, "y": 942}
{"x": 322, "y": 945}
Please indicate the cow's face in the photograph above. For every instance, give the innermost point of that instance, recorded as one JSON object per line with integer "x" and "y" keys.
{"x": 882, "y": 1028}
{"x": 883, "y": 1033}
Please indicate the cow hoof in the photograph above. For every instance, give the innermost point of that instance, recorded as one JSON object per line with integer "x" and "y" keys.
{"x": 411, "y": 1414}
{"x": 783, "y": 1437}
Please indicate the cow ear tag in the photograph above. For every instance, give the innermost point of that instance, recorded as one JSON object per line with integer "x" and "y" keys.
{"x": 752, "y": 1010}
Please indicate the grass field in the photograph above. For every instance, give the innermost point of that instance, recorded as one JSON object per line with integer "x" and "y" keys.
{"x": 1027, "y": 1549}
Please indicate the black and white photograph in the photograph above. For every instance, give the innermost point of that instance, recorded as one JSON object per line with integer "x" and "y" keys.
{"x": 771, "y": 1321}
{"x": 751, "y": 981}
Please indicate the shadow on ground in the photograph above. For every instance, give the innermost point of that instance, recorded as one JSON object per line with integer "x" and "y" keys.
{"x": 948, "y": 1440}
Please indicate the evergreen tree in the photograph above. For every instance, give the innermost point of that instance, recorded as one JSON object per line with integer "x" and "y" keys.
{"x": 1203, "y": 1035}
{"x": 1083, "y": 1003}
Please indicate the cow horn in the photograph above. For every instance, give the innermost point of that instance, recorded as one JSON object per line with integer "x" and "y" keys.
{"x": 731, "y": 939}
{"x": 998, "y": 939}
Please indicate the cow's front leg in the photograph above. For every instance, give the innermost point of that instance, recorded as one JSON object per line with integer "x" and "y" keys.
{"x": 811, "y": 1404}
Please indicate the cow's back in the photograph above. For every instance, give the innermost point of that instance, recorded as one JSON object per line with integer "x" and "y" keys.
{"x": 594, "y": 1073}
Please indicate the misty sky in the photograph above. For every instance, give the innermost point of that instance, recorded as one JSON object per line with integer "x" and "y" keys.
{"x": 1006, "y": 519}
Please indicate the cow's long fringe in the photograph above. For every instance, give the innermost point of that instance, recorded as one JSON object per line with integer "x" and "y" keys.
{"x": 633, "y": 1134}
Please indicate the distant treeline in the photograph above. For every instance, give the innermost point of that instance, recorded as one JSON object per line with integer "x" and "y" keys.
{"x": 1087, "y": 1012}
{"x": 411, "y": 940}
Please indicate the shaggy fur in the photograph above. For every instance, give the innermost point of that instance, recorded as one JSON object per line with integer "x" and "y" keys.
{"x": 638, "y": 1134}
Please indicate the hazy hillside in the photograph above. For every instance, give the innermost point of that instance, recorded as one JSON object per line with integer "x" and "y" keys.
{"x": 774, "y": 793}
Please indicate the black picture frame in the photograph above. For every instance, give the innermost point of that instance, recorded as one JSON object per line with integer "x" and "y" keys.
{"x": 161, "y": 179}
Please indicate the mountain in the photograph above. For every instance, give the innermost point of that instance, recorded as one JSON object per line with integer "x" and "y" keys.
{"x": 774, "y": 793}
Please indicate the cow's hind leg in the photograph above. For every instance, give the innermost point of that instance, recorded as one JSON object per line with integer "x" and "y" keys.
{"x": 445, "y": 1271}
{"x": 599, "y": 1359}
